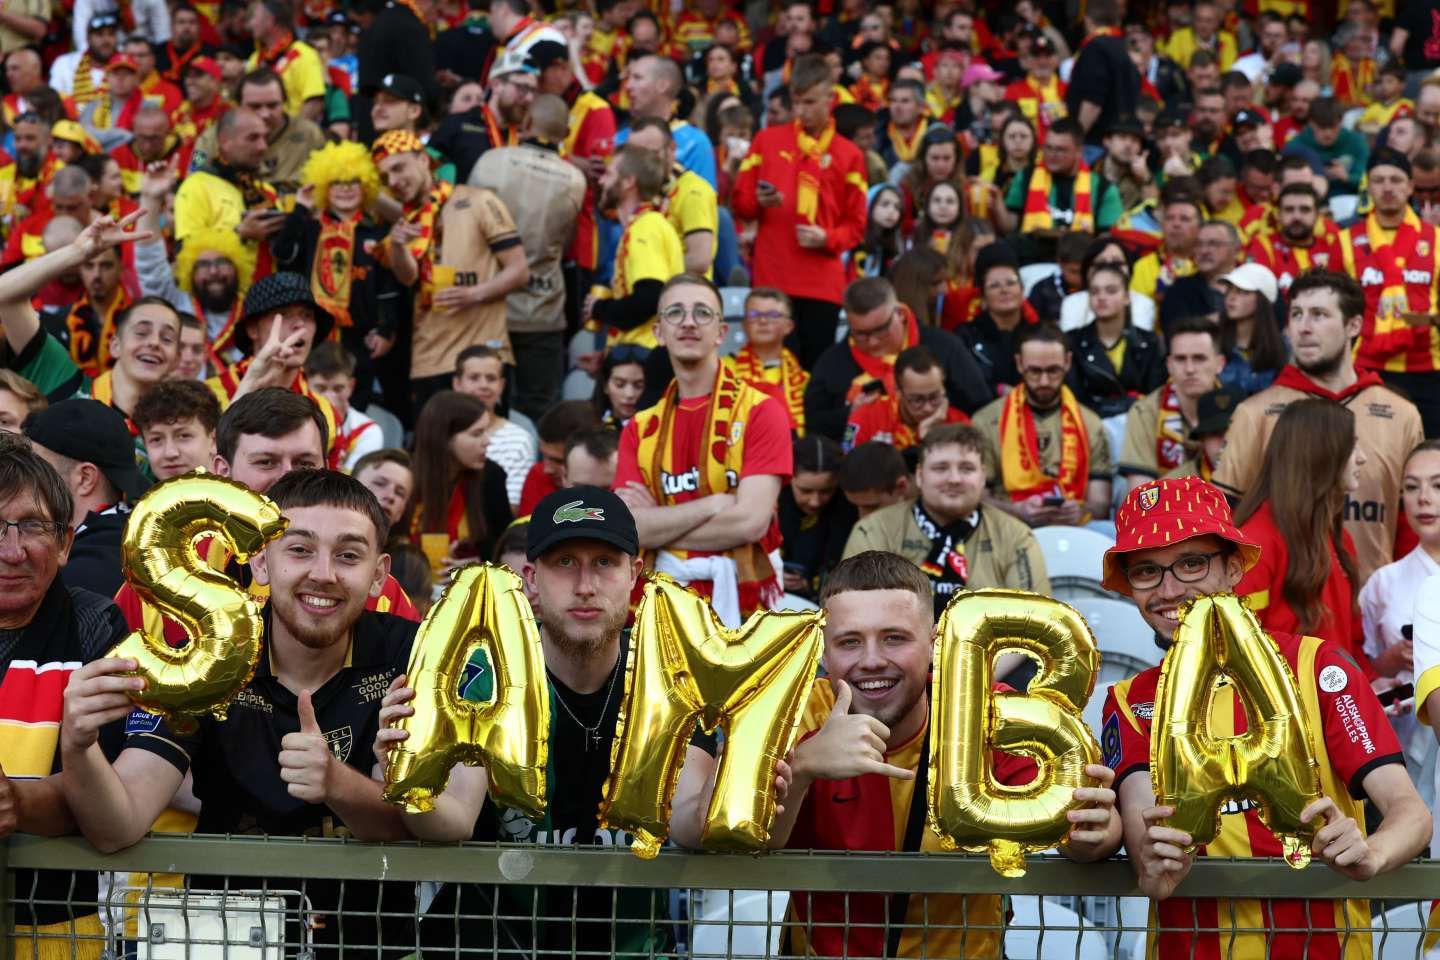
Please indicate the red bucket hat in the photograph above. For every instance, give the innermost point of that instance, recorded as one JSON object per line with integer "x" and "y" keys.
{"x": 1162, "y": 512}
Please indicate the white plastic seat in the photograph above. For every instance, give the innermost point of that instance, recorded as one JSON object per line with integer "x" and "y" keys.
{"x": 1342, "y": 207}
{"x": 732, "y": 299}
{"x": 1073, "y": 558}
{"x": 1127, "y": 646}
{"x": 738, "y": 928}
{"x": 1048, "y": 931}
{"x": 1033, "y": 273}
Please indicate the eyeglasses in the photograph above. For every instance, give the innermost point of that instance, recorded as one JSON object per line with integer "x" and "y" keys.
{"x": 1190, "y": 568}
{"x": 676, "y": 314}
{"x": 32, "y": 531}
{"x": 1043, "y": 373}
{"x": 766, "y": 315}
{"x": 876, "y": 331}
{"x": 923, "y": 399}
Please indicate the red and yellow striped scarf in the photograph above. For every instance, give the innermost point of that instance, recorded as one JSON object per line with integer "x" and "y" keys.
{"x": 870, "y": 94}
{"x": 84, "y": 89}
{"x": 816, "y": 151}
{"x": 789, "y": 375}
{"x": 1350, "y": 79}
{"x": 1037, "y": 202}
{"x": 722, "y": 458}
{"x": 906, "y": 149}
{"x": 1169, "y": 431}
{"x": 330, "y": 274}
{"x": 91, "y": 351}
{"x": 1020, "y": 467}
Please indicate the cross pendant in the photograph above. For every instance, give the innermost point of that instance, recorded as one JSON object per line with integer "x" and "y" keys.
{"x": 594, "y": 741}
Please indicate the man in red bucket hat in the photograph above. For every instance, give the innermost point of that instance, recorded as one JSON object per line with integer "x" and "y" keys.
{"x": 1175, "y": 541}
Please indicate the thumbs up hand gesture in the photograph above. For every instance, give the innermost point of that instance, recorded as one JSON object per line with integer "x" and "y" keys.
{"x": 306, "y": 763}
{"x": 849, "y": 745}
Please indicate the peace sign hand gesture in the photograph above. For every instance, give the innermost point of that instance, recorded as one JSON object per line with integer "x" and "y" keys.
{"x": 106, "y": 232}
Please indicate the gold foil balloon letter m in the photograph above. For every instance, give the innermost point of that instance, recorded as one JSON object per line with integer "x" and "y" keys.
{"x": 485, "y": 607}
{"x": 686, "y": 668}
{"x": 1220, "y": 652}
{"x": 165, "y": 569}
{"x": 969, "y": 809}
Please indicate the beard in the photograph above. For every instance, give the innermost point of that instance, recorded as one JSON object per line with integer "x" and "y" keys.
{"x": 217, "y": 297}
{"x": 28, "y": 163}
{"x": 1297, "y": 233}
{"x": 1322, "y": 366}
{"x": 306, "y": 631}
{"x": 583, "y": 649}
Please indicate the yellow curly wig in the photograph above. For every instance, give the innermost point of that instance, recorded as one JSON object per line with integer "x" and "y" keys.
{"x": 224, "y": 242}
{"x": 336, "y": 163}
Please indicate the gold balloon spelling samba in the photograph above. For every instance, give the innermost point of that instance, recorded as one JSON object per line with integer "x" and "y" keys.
{"x": 483, "y": 607}
{"x": 686, "y": 668}
{"x": 1272, "y": 764}
{"x": 968, "y": 809}
{"x": 165, "y": 569}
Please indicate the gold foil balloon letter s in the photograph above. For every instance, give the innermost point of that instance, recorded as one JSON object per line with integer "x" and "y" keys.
{"x": 969, "y": 809}
{"x": 165, "y": 569}
{"x": 686, "y": 668}
{"x": 483, "y": 607}
{"x": 1221, "y": 653}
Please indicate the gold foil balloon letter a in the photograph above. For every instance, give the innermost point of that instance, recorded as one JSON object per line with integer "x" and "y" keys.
{"x": 1221, "y": 653}
{"x": 686, "y": 668}
{"x": 969, "y": 809}
{"x": 483, "y": 607}
{"x": 165, "y": 569}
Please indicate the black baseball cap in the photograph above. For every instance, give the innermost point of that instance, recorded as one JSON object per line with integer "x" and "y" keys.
{"x": 1043, "y": 45}
{"x": 273, "y": 293}
{"x": 102, "y": 20}
{"x": 581, "y": 513}
{"x": 1126, "y": 124}
{"x": 545, "y": 52}
{"x": 91, "y": 432}
{"x": 1170, "y": 118}
{"x": 1213, "y": 412}
{"x": 1249, "y": 118}
{"x": 399, "y": 86}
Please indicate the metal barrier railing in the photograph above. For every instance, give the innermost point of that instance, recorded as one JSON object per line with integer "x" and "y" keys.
{"x": 254, "y": 898}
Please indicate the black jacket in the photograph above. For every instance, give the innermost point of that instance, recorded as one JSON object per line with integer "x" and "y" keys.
{"x": 826, "y": 410}
{"x": 94, "y": 562}
{"x": 993, "y": 349}
{"x": 1095, "y": 381}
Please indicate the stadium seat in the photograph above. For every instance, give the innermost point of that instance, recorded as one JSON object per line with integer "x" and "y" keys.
{"x": 1033, "y": 273}
{"x": 1342, "y": 207}
{"x": 1127, "y": 646}
{"x": 1072, "y": 559}
{"x": 732, "y": 299}
{"x": 390, "y": 427}
{"x": 1400, "y": 932}
{"x": 1049, "y": 931}
{"x": 734, "y": 338}
{"x": 738, "y": 929}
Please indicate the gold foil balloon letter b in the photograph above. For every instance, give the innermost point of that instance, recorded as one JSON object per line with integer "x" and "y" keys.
{"x": 686, "y": 668}
{"x": 969, "y": 809}
{"x": 484, "y": 607}
{"x": 165, "y": 569}
{"x": 1221, "y": 653}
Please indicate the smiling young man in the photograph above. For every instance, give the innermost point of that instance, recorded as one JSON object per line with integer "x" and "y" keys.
{"x": 857, "y": 778}
{"x": 956, "y": 542}
{"x": 177, "y": 422}
{"x": 291, "y": 757}
{"x": 1175, "y": 542}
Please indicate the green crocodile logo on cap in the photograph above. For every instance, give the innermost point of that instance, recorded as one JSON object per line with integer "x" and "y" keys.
{"x": 575, "y": 511}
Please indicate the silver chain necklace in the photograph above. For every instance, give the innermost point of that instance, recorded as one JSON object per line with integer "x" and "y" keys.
{"x": 592, "y": 733}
